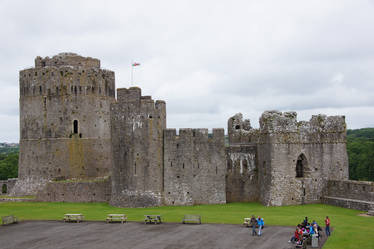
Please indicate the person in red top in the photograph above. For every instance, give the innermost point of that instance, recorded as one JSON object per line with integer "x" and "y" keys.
{"x": 327, "y": 223}
{"x": 300, "y": 235}
{"x": 295, "y": 237}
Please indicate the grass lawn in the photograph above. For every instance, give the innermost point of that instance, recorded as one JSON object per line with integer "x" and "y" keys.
{"x": 350, "y": 231}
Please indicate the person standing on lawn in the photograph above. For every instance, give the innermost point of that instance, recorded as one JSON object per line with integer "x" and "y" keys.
{"x": 327, "y": 223}
{"x": 253, "y": 224}
{"x": 260, "y": 223}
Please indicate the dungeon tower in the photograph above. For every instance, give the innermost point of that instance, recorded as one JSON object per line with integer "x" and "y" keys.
{"x": 64, "y": 121}
{"x": 297, "y": 159}
{"x": 137, "y": 124}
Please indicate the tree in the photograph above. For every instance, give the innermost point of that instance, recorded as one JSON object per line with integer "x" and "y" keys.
{"x": 8, "y": 165}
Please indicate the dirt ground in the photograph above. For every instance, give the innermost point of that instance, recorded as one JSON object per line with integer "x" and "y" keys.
{"x": 92, "y": 235}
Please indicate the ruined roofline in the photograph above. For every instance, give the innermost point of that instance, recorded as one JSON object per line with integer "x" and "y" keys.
{"x": 67, "y": 59}
{"x": 281, "y": 122}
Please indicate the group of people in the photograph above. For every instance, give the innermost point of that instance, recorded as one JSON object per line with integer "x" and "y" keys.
{"x": 307, "y": 230}
{"x": 259, "y": 222}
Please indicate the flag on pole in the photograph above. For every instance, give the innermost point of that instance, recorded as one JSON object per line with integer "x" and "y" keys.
{"x": 135, "y": 64}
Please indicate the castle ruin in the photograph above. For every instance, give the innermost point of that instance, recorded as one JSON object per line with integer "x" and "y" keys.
{"x": 119, "y": 150}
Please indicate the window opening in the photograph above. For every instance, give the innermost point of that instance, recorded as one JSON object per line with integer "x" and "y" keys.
{"x": 300, "y": 165}
{"x": 75, "y": 124}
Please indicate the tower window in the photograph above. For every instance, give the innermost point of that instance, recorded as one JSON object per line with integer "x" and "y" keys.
{"x": 301, "y": 164}
{"x": 75, "y": 124}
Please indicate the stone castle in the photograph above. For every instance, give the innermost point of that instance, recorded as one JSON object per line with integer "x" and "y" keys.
{"x": 81, "y": 143}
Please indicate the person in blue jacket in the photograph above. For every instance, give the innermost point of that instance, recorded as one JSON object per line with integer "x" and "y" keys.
{"x": 260, "y": 223}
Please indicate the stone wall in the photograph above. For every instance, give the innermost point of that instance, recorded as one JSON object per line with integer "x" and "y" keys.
{"x": 242, "y": 173}
{"x": 359, "y": 190}
{"x": 350, "y": 194}
{"x": 137, "y": 124}
{"x": 319, "y": 146}
{"x": 97, "y": 190}
{"x": 194, "y": 167}
{"x": 64, "y": 121}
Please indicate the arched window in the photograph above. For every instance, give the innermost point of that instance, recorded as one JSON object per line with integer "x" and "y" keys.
{"x": 301, "y": 165}
{"x": 75, "y": 126}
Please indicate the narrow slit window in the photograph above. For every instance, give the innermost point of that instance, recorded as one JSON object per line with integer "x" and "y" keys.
{"x": 75, "y": 126}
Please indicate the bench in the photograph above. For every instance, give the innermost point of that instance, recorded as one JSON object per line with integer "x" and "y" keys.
{"x": 247, "y": 221}
{"x": 152, "y": 219}
{"x": 73, "y": 217}
{"x": 9, "y": 219}
{"x": 116, "y": 217}
{"x": 191, "y": 218}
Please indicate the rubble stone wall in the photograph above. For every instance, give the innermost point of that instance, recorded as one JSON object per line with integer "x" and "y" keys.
{"x": 98, "y": 190}
{"x": 64, "y": 121}
{"x": 321, "y": 143}
{"x": 194, "y": 167}
{"x": 242, "y": 173}
{"x": 137, "y": 124}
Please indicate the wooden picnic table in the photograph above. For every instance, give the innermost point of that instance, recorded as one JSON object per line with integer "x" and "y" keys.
{"x": 152, "y": 219}
{"x": 247, "y": 221}
{"x": 116, "y": 217}
{"x": 73, "y": 217}
{"x": 9, "y": 219}
{"x": 191, "y": 218}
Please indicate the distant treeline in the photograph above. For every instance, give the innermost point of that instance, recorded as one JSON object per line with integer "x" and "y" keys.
{"x": 360, "y": 147}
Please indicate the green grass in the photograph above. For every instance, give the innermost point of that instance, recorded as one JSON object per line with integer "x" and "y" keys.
{"x": 350, "y": 230}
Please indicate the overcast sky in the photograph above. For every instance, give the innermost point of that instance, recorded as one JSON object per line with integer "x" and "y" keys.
{"x": 207, "y": 59}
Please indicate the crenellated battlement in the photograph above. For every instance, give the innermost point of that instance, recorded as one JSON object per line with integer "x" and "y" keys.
{"x": 197, "y": 133}
{"x": 66, "y": 80}
{"x": 135, "y": 102}
{"x": 67, "y": 59}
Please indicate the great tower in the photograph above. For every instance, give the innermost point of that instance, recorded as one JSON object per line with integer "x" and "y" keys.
{"x": 64, "y": 121}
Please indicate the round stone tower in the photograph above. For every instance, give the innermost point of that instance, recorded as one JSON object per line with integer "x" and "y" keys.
{"x": 64, "y": 121}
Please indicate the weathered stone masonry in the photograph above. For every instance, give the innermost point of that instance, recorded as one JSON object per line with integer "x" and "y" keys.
{"x": 64, "y": 121}
{"x": 194, "y": 167}
{"x": 72, "y": 127}
{"x": 137, "y": 141}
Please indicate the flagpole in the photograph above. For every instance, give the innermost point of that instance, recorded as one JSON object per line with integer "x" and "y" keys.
{"x": 132, "y": 73}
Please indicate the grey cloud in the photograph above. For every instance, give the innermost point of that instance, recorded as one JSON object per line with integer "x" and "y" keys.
{"x": 207, "y": 59}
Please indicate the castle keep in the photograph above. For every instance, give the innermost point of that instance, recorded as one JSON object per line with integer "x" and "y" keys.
{"x": 119, "y": 150}
{"x": 64, "y": 121}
